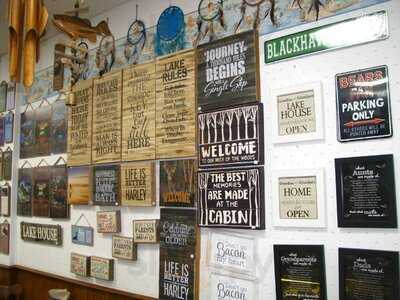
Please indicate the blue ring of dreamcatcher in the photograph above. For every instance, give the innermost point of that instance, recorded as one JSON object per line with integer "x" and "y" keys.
{"x": 132, "y": 39}
{"x": 170, "y": 23}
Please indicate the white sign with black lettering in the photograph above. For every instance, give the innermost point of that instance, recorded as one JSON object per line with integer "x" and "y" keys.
{"x": 224, "y": 287}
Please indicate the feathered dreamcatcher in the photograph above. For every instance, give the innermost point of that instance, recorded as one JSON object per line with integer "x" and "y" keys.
{"x": 82, "y": 62}
{"x": 210, "y": 12}
{"x": 135, "y": 40}
{"x": 315, "y": 5}
{"x": 105, "y": 55}
{"x": 258, "y": 17}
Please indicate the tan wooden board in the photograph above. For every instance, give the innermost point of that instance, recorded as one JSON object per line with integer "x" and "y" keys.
{"x": 138, "y": 113}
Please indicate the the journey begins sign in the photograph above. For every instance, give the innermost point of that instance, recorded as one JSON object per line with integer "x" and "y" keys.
{"x": 231, "y": 198}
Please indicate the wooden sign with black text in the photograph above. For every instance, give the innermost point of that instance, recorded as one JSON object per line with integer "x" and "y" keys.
{"x": 109, "y": 221}
{"x": 124, "y": 248}
{"x": 145, "y": 231}
{"x": 80, "y": 264}
{"x": 42, "y": 233}
{"x": 102, "y": 268}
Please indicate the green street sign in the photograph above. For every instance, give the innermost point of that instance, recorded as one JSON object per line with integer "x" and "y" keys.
{"x": 354, "y": 31}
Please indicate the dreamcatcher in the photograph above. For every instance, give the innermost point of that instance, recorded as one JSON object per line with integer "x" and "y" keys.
{"x": 315, "y": 5}
{"x": 80, "y": 68}
{"x": 105, "y": 55}
{"x": 257, "y": 16}
{"x": 209, "y": 11}
{"x": 170, "y": 35}
{"x": 135, "y": 40}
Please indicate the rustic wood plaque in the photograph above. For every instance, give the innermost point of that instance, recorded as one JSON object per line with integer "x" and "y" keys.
{"x": 82, "y": 235}
{"x": 43, "y": 123}
{"x": 139, "y": 113}
{"x": 27, "y": 134}
{"x": 3, "y": 95}
{"x": 176, "y": 106}
{"x": 59, "y": 207}
{"x": 5, "y": 238}
{"x": 105, "y": 188}
{"x": 41, "y": 192}
{"x": 7, "y": 164}
{"x": 42, "y": 233}
{"x": 106, "y": 137}
{"x": 145, "y": 231}
{"x": 228, "y": 71}
{"x": 178, "y": 182}
{"x": 58, "y": 136}
{"x": 80, "y": 125}
{"x": 5, "y": 196}
{"x": 25, "y": 192}
{"x": 80, "y": 264}
{"x": 138, "y": 184}
{"x": 102, "y": 268}
{"x": 109, "y": 221}
{"x": 124, "y": 248}
{"x": 8, "y": 127}
{"x": 79, "y": 185}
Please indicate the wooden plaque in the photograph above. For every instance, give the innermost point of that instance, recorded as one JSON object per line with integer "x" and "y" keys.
{"x": 10, "y": 104}
{"x": 79, "y": 185}
{"x": 7, "y": 164}
{"x": 5, "y": 194}
{"x": 80, "y": 264}
{"x": 106, "y": 137}
{"x": 80, "y": 125}
{"x": 43, "y": 122}
{"x": 59, "y": 207}
{"x": 124, "y": 248}
{"x": 42, "y": 233}
{"x": 25, "y": 192}
{"x": 41, "y": 192}
{"x": 145, "y": 231}
{"x": 58, "y": 136}
{"x": 102, "y": 268}
{"x": 105, "y": 188}
{"x": 139, "y": 113}
{"x": 5, "y": 238}
{"x": 138, "y": 184}
{"x": 176, "y": 106}
{"x": 27, "y": 134}
{"x": 109, "y": 221}
{"x": 82, "y": 235}
{"x": 3, "y": 95}
{"x": 8, "y": 127}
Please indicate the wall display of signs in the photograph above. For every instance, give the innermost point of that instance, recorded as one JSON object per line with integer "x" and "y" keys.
{"x": 5, "y": 197}
{"x": 105, "y": 185}
{"x": 363, "y": 273}
{"x": 59, "y": 207}
{"x": 41, "y": 191}
{"x": 175, "y": 106}
{"x": 146, "y": 231}
{"x": 79, "y": 144}
{"x": 109, "y": 221}
{"x": 178, "y": 182}
{"x": 27, "y": 134}
{"x": 10, "y": 103}
{"x": 3, "y": 95}
{"x": 82, "y": 235}
{"x": 80, "y": 264}
{"x": 300, "y": 272}
{"x": 102, "y": 268}
{"x": 365, "y": 191}
{"x": 8, "y": 127}
{"x": 42, "y": 233}
{"x": 231, "y": 137}
{"x": 232, "y": 198}
{"x": 228, "y": 71}
{"x": 138, "y": 184}
{"x": 58, "y": 134}
{"x": 25, "y": 192}
{"x": 363, "y": 104}
{"x": 231, "y": 287}
{"x": 79, "y": 185}
{"x": 124, "y": 248}
{"x": 106, "y": 137}
{"x": 298, "y": 114}
{"x": 139, "y": 112}
{"x": 5, "y": 238}
{"x": 43, "y": 129}
{"x": 231, "y": 251}
{"x": 7, "y": 164}
{"x": 328, "y": 37}
{"x": 298, "y": 198}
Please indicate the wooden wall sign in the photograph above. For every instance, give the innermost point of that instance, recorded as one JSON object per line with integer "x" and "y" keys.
{"x": 80, "y": 264}
{"x": 3, "y": 95}
{"x": 231, "y": 137}
{"x": 79, "y": 185}
{"x": 80, "y": 125}
{"x": 27, "y": 134}
{"x": 59, "y": 207}
{"x": 43, "y": 123}
{"x": 5, "y": 238}
{"x": 102, "y": 268}
{"x": 106, "y": 137}
{"x": 105, "y": 185}
{"x": 8, "y": 128}
{"x": 10, "y": 104}
{"x": 25, "y": 192}
{"x": 58, "y": 135}
{"x": 109, "y": 221}
{"x": 232, "y": 198}
{"x": 178, "y": 182}
{"x": 7, "y": 164}
{"x": 227, "y": 71}
{"x": 145, "y": 231}
{"x": 139, "y": 112}
{"x": 138, "y": 184}
{"x": 175, "y": 106}
{"x": 41, "y": 191}
{"x": 124, "y": 248}
{"x": 42, "y": 233}
{"x": 5, "y": 197}
{"x": 82, "y": 235}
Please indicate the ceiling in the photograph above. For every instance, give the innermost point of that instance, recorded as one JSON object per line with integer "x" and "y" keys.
{"x": 54, "y": 7}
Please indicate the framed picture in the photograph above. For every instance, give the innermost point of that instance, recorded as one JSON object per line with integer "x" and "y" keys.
{"x": 41, "y": 191}
{"x": 3, "y": 95}
{"x": 298, "y": 198}
{"x": 222, "y": 285}
{"x": 59, "y": 123}
{"x": 80, "y": 264}
{"x": 124, "y": 248}
{"x": 102, "y": 268}
{"x": 362, "y": 272}
{"x": 79, "y": 185}
{"x": 146, "y": 231}
{"x": 8, "y": 127}
{"x": 10, "y": 103}
{"x": 82, "y": 235}
{"x": 28, "y": 133}
{"x": 7, "y": 164}
{"x": 105, "y": 188}
{"x": 5, "y": 200}
{"x": 43, "y": 115}
{"x": 1, "y": 131}
{"x": 365, "y": 192}
{"x": 25, "y": 192}
{"x": 42, "y": 233}
{"x": 5, "y": 238}
{"x": 109, "y": 221}
{"x": 298, "y": 113}
{"x": 59, "y": 207}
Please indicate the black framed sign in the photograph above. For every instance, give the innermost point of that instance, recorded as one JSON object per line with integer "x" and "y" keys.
{"x": 228, "y": 71}
{"x": 232, "y": 198}
{"x": 231, "y": 137}
{"x": 300, "y": 272}
{"x": 365, "y": 191}
{"x": 363, "y": 273}
{"x": 106, "y": 185}
{"x": 363, "y": 104}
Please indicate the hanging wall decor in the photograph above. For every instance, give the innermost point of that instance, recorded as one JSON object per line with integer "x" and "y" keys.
{"x": 2, "y": 131}
{"x": 231, "y": 137}
{"x": 145, "y": 231}
{"x": 58, "y": 67}
{"x": 82, "y": 235}
{"x": 58, "y": 134}
{"x": 7, "y": 164}
{"x": 59, "y": 208}
{"x": 80, "y": 124}
{"x": 108, "y": 221}
{"x": 106, "y": 136}
{"x": 80, "y": 264}
{"x": 259, "y": 15}
{"x": 25, "y": 191}
{"x": 42, "y": 233}
{"x": 178, "y": 183}
{"x": 135, "y": 40}
{"x": 11, "y": 91}
{"x": 139, "y": 112}
{"x": 28, "y": 132}
{"x": 228, "y": 71}
{"x": 79, "y": 185}
{"x": 124, "y": 248}
{"x": 175, "y": 106}
{"x": 3, "y": 95}
{"x": 5, "y": 197}
{"x": 41, "y": 191}
{"x": 106, "y": 185}
{"x": 5, "y": 237}
{"x": 102, "y": 268}
{"x": 210, "y": 14}
{"x": 8, "y": 127}
{"x": 105, "y": 54}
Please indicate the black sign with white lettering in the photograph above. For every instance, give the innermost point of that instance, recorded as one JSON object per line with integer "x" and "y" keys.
{"x": 106, "y": 185}
{"x": 231, "y": 137}
{"x": 363, "y": 104}
{"x": 227, "y": 71}
{"x": 232, "y": 198}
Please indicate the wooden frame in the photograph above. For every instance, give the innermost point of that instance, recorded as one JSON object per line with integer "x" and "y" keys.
{"x": 80, "y": 264}
{"x": 124, "y": 248}
{"x": 146, "y": 231}
{"x": 82, "y": 235}
{"x": 5, "y": 237}
{"x": 5, "y": 200}
{"x": 108, "y": 221}
{"x": 42, "y": 233}
{"x": 106, "y": 185}
{"x": 102, "y": 268}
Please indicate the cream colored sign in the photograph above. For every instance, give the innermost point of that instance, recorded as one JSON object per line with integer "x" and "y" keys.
{"x": 145, "y": 231}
